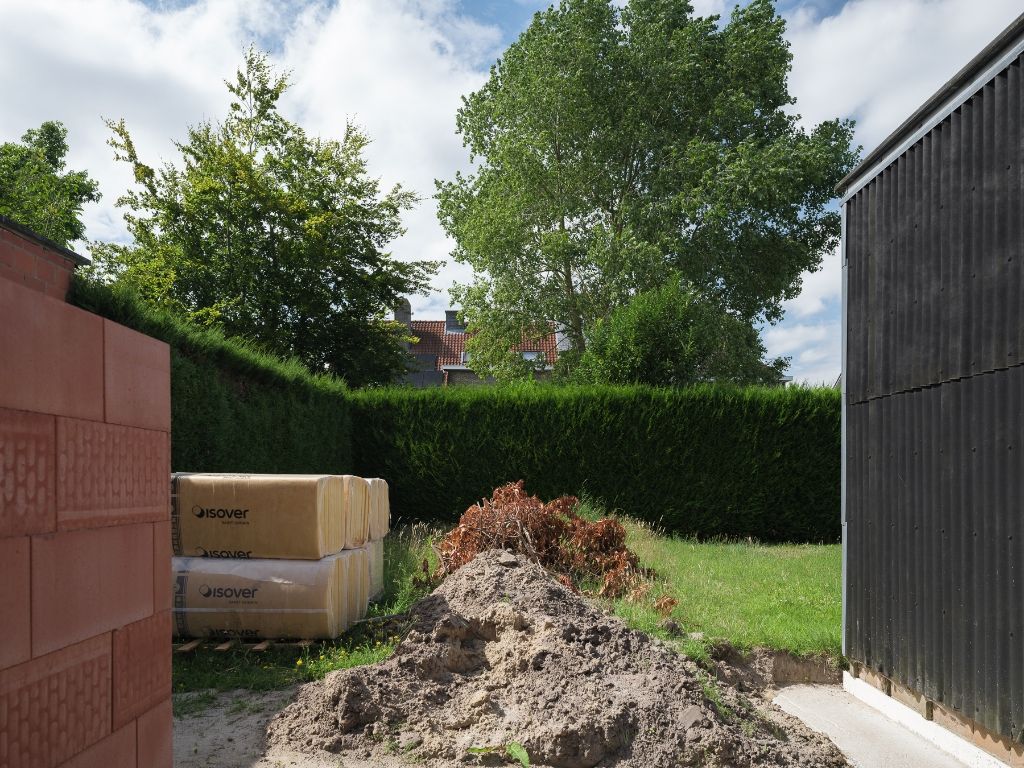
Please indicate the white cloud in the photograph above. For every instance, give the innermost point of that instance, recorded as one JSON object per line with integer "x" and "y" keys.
{"x": 820, "y": 290}
{"x": 398, "y": 69}
{"x": 875, "y": 61}
{"x": 814, "y": 348}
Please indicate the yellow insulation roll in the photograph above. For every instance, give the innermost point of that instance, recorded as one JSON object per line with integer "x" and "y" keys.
{"x": 375, "y": 552}
{"x": 257, "y": 516}
{"x": 359, "y": 576}
{"x": 356, "y": 510}
{"x": 380, "y": 508}
{"x": 268, "y": 599}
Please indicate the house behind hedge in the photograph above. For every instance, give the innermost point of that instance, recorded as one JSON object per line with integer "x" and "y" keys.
{"x": 442, "y": 359}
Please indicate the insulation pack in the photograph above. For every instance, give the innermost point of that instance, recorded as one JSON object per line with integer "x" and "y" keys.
{"x": 355, "y": 510}
{"x": 267, "y": 516}
{"x": 375, "y": 552}
{"x": 270, "y": 599}
{"x": 380, "y": 508}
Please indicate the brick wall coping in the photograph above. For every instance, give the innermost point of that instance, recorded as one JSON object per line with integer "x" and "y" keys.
{"x": 24, "y": 231}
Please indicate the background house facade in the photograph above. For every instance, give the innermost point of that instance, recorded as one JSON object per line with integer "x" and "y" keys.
{"x": 441, "y": 356}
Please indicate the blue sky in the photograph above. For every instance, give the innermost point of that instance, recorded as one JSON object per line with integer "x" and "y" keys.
{"x": 400, "y": 67}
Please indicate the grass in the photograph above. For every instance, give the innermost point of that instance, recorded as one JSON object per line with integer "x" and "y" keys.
{"x": 206, "y": 671}
{"x": 786, "y": 597}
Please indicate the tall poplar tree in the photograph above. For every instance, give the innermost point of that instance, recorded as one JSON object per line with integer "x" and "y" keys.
{"x": 617, "y": 148}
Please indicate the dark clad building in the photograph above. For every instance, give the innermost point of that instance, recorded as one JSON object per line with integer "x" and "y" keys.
{"x": 933, "y": 475}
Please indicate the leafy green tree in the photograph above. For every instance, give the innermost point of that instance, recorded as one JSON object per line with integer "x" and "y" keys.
{"x": 617, "y": 147}
{"x": 37, "y": 192}
{"x": 270, "y": 234}
{"x": 671, "y": 336}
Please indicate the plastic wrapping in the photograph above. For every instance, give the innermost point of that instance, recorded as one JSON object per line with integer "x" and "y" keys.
{"x": 380, "y": 508}
{"x": 356, "y": 510}
{"x": 256, "y": 516}
{"x": 270, "y": 599}
{"x": 375, "y": 552}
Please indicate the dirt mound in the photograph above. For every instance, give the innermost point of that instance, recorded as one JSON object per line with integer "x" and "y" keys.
{"x": 502, "y": 653}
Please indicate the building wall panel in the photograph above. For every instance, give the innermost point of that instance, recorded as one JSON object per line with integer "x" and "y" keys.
{"x": 934, "y": 245}
{"x": 936, "y": 543}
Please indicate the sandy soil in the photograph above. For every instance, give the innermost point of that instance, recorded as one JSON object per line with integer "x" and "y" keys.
{"x": 231, "y": 733}
{"x": 503, "y": 653}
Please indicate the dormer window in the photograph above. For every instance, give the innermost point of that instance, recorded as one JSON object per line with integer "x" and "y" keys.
{"x": 451, "y": 322}
{"x": 531, "y": 356}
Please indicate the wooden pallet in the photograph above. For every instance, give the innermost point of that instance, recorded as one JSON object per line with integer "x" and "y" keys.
{"x": 191, "y": 646}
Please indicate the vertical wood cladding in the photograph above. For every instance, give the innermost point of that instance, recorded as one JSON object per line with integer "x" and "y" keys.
{"x": 935, "y": 412}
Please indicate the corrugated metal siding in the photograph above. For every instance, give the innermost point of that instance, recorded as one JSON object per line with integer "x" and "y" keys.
{"x": 935, "y": 413}
{"x": 936, "y": 279}
{"x": 935, "y": 525}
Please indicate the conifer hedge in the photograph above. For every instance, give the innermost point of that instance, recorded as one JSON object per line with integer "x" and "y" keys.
{"x": 702, "y": 461}
{"x": 233, "y": 408}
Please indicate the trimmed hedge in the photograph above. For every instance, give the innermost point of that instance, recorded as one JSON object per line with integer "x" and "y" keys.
{"x": 703, "y": 461}
{"x": 233, "y": 408}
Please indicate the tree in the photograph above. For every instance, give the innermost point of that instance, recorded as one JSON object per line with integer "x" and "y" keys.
{"x": 671, "y": 336}
{"x": 36, "y": 192}
{"x": 616, "y": 148}
{"x": 272, "y": 235}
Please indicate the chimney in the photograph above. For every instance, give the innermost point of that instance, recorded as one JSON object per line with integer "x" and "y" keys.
{"x": 403, "y": 312}
{"x": 451, "y": 322}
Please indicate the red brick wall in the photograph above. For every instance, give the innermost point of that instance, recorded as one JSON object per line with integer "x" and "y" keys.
{"x": 33, "y": 264}
{"x": 85, "y": 665}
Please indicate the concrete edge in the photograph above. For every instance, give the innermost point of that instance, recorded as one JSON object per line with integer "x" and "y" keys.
{"x": 945, "y": 740}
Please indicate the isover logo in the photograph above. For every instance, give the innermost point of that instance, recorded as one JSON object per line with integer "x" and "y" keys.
{"x": 228, "y": 592}
{"x": 235, "y": 633}
{"x": 214, "y": 513}
{"x": 255, "y": 633}
{"x": 233, "y": 553}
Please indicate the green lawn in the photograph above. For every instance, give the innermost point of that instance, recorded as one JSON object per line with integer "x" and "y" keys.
{"x": 781, "y": 596}
{"x": 785, "y": 597}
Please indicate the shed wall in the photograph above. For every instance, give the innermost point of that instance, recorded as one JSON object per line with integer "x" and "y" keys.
{"x": 935, "y": 413}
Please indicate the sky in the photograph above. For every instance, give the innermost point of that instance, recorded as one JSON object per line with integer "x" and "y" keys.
{"x": 399, "y": 69}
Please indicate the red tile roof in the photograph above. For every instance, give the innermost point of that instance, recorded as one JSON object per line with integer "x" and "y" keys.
{"x": 449, "y": 346}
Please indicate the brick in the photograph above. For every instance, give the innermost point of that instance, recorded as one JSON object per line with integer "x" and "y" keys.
{"x": 156, "y": 737}
{"x": 90, "y": 581}
{"x": 28, "y": 459}
{"x": 111, "y": 475}
{"x": 115, "y": 751}
{"x": 32, "y": 282}
{"x": 15, "y": 601}
{"x": 46, "y": 270}
{"x": 58, "y": 260}
{"x": 52, "y": 355}
{"x": 58, "y": 289}
{"x": 162, "y": 566}
{"x": 142, "y": 666}
{"x": 54, "y": 707}
{"x": 22, "y": 260}
{"x": 137, "y": 376}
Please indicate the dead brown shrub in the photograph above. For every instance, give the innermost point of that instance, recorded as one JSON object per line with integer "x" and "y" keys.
{"x": 580, "y": 553}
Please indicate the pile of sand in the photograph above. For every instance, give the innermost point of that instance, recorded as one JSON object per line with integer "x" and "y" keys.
{"x": 501, "y": 653}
